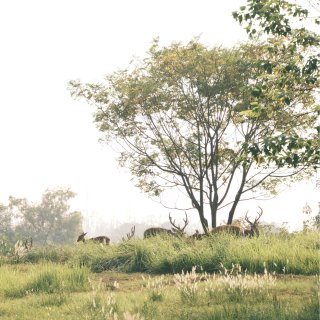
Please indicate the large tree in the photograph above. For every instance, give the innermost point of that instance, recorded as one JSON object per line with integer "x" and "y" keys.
{"x": 192, "y": 117}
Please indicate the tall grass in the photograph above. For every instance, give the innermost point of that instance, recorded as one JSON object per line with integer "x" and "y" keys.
{"x": 58, "y": 291}
{"x": 294, "y": 253}
{"x": 48, "y": 278}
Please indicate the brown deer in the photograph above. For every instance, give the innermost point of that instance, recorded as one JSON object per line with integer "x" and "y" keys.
{"x": 100, "y": 239}
{"x": 152, "y": 232}
{"x": 236, "y": 230}
{"x": 253, "y": 231}
{"x": 176, "y": 230}
{"x": 130, "y": 234}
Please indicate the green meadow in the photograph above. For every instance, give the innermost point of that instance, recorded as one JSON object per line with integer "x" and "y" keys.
{"x": 221, "y": 277}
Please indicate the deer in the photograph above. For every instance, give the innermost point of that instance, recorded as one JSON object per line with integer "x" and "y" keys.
{"x": 130, "y": 234}
{"x": 100, "y": 239}
{"x": 176, "y": 230}
{"x": 253, "y": 231}
{"x": 236, "y": 230}
{"x": 22, "y": 247}
{"x": 239, "y": 231}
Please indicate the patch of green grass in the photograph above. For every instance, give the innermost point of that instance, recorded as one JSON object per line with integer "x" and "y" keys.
{"x": 64, "y": 292}
{"x": 284, "y": 253}
{"x": 45, "y": 278}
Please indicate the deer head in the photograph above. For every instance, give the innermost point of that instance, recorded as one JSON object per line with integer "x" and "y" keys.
{"x": 253, "y": 231}
{"x": 81, "y": 237}
{"x": 176, "y": 228}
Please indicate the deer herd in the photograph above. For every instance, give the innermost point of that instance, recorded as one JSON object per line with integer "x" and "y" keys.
{"x": 23, "y": 246}
{"x": 178, "y": 231}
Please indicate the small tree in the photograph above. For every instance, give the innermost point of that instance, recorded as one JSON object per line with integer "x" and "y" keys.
{"x": 311, "y": 222}
{"x": 307, "y": 222}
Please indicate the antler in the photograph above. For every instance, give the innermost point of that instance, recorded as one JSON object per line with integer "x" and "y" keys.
{"x": 256, "y": 219}
{"x": 177, "y": 227}
{"x": 130, "y": 234}
{"x": 247, "y": 219}
{"x": 259, "y": 215}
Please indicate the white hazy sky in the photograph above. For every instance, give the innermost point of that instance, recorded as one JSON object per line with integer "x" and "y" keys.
{"x": 49, "y": 140}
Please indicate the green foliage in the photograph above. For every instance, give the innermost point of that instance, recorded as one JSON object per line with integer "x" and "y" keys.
{"x": 6, "y": 226}
{"x": 6, "y": 248}
{"x": 272, "y": 16}
{"x": 49, "y": 221}
{"x": 299, "y": 69}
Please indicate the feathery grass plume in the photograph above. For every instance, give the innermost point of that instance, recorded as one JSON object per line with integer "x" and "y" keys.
{"x": 156, "y": 288}
{"x": 238, "y": 284}
{"x": 101, "y": 305}
{"x": 128, "y": 316}
{"x": 187, "y": 284}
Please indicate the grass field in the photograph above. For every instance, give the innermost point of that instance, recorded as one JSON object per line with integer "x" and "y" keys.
{"x": 218, "y": 278}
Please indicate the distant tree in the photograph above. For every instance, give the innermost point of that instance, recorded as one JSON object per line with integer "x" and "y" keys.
{"x": 49, "y": 221}
{"x": 310, "y": 221}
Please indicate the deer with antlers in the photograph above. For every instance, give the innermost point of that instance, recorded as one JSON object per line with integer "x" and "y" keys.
{"x": 253, "y": 231}
{"x": 238, "y": 231}
{"x": 176, "y": 230}
{"x": 100, "y": 239}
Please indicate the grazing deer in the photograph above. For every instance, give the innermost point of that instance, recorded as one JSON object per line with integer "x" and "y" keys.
{"x": 253, "y": 231}
{"x": 152, "y": 232}
{"x": 22, "y": 247}
{"x": 100, "y": 239}
{"x": 176, "y": 230}
{"x": 238, "y": 231}
{"x": 130, "y": 234}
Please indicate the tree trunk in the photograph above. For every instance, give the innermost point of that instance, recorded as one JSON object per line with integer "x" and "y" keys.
{"x": 214, "y": 209}
{"x": 203, "y": 220}
{"x": 233, "y": 209}
{"x": 238, "y": 195}
{"x": 214, "y": 219}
